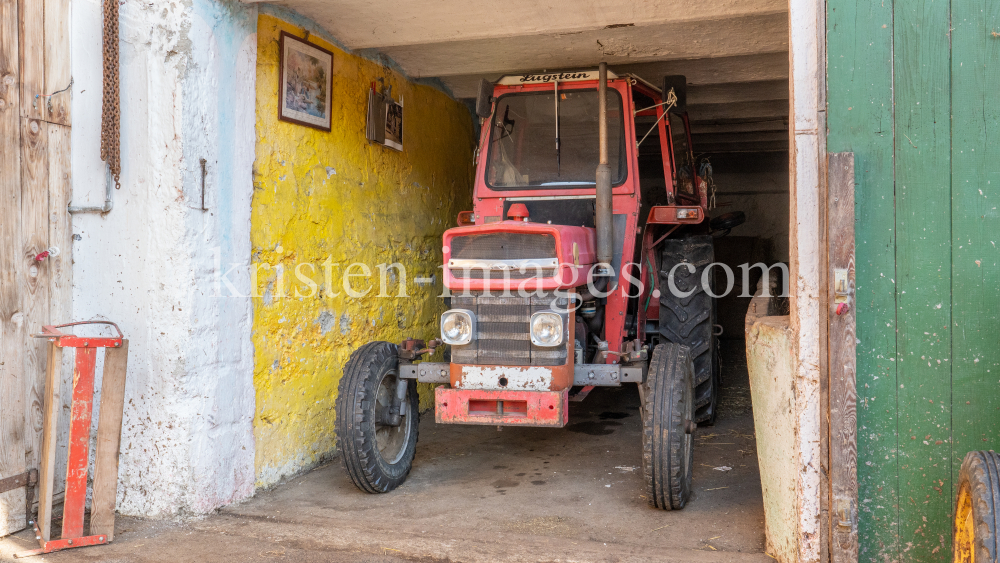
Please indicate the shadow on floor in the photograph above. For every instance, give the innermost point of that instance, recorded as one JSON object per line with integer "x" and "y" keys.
{"x": 479, "y": 494}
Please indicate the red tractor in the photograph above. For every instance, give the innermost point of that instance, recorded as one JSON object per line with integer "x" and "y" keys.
{"x": 562, "y": 278}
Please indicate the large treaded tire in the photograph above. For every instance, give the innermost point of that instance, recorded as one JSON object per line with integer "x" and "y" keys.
{"x": 976, "y": 516}
{"x": 690, "y": 320}
{"x": 356, "y": 425}
{"x": 667, "y": 445}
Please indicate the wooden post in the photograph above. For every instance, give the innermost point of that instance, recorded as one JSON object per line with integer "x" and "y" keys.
{"x": 50, "y": 423}
{"x": 12, "y": 379}
{"x": 34, "y": 275}
{"x": 58, "y": 73}
{"x": 109, "y": 433}
{"x": 842, "y": 438}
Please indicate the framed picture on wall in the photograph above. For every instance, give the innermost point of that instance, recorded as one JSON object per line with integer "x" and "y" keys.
{"x": 394, "y": 125}
{"x": 305, "y": 74}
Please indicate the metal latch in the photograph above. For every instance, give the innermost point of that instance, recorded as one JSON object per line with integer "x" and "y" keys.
{"x": 845, "y": 513}
{"x": 841, "y": 290}
{"x": 841, "y": 287}
{"x": 27, "y": 479}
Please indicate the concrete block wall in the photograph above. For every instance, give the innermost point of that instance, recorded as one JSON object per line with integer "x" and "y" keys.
{"x": 323, "y": 201}
{"x": 151, "y": 264}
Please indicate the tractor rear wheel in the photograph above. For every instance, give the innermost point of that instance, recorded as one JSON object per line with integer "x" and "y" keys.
{"x": 977, "y": 514}
{"x": 667, "y": 426}
{"x": 376, "y": 453}
{"x": 688, "y": 317}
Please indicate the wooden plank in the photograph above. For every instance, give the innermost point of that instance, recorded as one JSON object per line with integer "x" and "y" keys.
{"x": 58, "y": 71}
{"x": 11, "y": 319}
{"x": 60, "y": 224}
{"x": 61, "y": 267}
{"x": 34, "y": 275}
{"x": 700, "y": 127}
{"x": 842, "y": 393}
{"x": 743, "y": 111}
{"x": 975, "y": 71}
{"x": 763, "y": 146}
{"x": 738, "y": 92}
{"x": 746, "y": 138}
{"x": 31, "y": 45}
{"x": 50, "y": 421}
{"x": 921, "y": 84}
{"x": 859, "y": 106}
{"x": 109, "y": 433}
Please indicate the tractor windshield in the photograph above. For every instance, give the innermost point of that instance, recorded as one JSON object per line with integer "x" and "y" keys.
{"x": 538, "y": 141}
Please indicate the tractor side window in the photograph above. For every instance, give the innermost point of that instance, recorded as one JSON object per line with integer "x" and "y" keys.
{"x": 683, "y": 175}
{"x": 651, "y": 154}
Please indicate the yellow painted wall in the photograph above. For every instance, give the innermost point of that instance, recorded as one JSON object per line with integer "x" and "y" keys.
{"x": 320, "y": 195}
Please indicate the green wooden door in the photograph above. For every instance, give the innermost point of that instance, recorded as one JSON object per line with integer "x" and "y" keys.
{"x": 913, "y": 88}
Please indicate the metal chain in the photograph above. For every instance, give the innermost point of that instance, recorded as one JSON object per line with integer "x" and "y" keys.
{"x": 705, "y": 171}
{"x": 110, "y": 112}
{"x": 711, "y": 185}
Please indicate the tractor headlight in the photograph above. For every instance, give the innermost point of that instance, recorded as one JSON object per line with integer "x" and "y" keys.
{"x": 458, "y": 326}
{"x": 546, "y": 329}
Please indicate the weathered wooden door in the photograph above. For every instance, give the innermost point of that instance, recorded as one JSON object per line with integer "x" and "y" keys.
{"x": 914, "y": 88}
{"x": 35, "y": 90}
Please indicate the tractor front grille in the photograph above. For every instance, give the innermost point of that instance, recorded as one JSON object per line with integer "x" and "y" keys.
{"x": 502, "y": 325}
{"x": 503, "y": 246}
{"x": 515, "y": 274}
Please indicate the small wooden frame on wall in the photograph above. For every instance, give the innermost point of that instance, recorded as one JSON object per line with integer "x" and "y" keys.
{"x": 305, "y": 83}
{"x": 394, "y": 125}
{"x": 385, "y": 119}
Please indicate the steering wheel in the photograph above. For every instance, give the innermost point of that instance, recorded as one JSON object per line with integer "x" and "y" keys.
{"x": 727, "y": 222}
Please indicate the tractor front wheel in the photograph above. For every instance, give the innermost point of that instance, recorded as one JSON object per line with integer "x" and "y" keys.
{"x": 376, "y": 447}
{"x": 977, "y": 511}
{"x": 667, "y": 426}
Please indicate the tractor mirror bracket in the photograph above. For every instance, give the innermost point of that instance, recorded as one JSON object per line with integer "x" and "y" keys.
{"x": 484, "y": 101}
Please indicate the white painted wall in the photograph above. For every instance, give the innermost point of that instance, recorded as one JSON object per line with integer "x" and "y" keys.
{"x": 151, "y": 264}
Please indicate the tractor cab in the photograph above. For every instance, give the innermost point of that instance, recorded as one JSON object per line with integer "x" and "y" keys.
{"x": 569, "y": 273}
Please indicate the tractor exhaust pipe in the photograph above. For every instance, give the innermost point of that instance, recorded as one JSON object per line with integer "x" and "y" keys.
{"x": 603, "y": 219}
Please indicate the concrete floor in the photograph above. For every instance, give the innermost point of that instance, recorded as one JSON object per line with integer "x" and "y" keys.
{"x": 478, "y": 494}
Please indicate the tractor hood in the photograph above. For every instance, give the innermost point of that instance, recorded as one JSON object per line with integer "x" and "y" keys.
{"x": 517, "y": 255}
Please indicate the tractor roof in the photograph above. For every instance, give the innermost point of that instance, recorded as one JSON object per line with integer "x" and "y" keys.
{"x": 564, "y": 76}
{"x": 545, "y": 77}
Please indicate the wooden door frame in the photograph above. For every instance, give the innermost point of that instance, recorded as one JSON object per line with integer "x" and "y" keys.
{"x": 821, "y": 236}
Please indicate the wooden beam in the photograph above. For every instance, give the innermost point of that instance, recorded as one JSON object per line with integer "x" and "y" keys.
{"x": 755, "y": 137}
{"x": 700, "y": 127}
{"x": 842, "y": 388}
{"x": 60, "y": 268}
{"x": 716, "y": 70}
{"x": 731, "y": 92}
{"x": 11, "y": 320}
{"x": 860, "y": 93}
{"x": 31, "y": 45}
{"x": 50, "y": 424}
{"x": 109, "y": 433}
{"x": 58, "y": 73}
{"x": 60, "y": 225}
{"x": 924, "y": 326}
{"x": 975, "y": 275}
{"x": 743, "y": 111}
{"x": 766, "y": 146}
{"x": 34, "y": 275}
